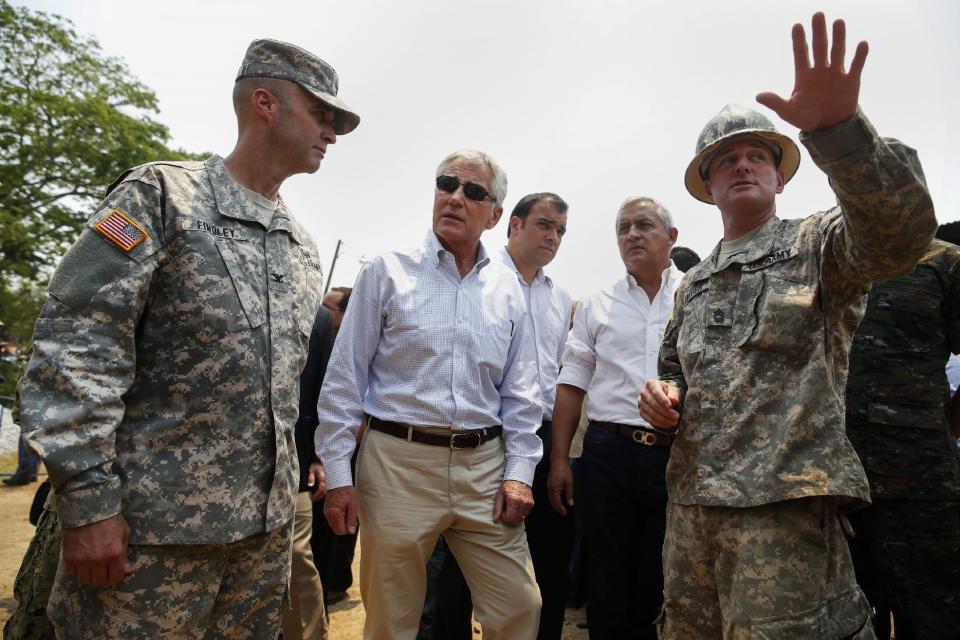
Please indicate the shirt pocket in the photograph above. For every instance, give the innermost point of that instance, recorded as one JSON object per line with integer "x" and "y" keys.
{"x": 908, "y": 440}
{"x": 243, "y": 268}
{"x": 690, "y": 333}
{"x": 206, "y": 292}
{"x": 781, "y": 317}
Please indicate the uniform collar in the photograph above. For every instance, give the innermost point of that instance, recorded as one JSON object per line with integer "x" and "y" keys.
{"x": 233, "y": 203}
{"x": 759, "y": 246}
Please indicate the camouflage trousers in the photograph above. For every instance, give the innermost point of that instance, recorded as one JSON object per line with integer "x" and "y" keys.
{"x": 907, "y": 557}
{"x": 233, "y": 590}
{"x": 35, "y": 580}
{"x": 779, "y": 571}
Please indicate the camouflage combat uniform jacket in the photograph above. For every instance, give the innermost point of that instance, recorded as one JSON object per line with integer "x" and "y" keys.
{"x": 163, "y": 384}
{"x": 758, "y": 344}
{"x": 898, "y": 399}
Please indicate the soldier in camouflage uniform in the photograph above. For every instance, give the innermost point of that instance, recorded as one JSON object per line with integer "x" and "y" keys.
{"x": 753, "y": 364}
{"x": 162, "y": 392}
{"x": 907, "y": 545}
{"x": 39, "y": 567}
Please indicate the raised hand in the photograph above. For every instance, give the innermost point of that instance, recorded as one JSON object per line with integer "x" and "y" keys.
{"x": 824, "y": 94}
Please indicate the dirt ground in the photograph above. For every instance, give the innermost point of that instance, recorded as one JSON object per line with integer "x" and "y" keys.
{"x": 346, "y": 618}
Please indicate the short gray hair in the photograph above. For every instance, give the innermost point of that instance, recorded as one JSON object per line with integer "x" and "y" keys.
{"x": 643, "y": 201}
{"x": 498, "y": 184}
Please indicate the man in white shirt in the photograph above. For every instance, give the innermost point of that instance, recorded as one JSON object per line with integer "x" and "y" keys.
{"x": 537, "y": 226}
{"x": 610, "y": 353}
{"x": 437, "y": 348}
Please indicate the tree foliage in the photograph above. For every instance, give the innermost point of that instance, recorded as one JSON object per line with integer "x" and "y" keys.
{"x": 71, "y": 120}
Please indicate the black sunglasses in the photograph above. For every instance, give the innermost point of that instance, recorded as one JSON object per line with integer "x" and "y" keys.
{"x": 473, "y": 191}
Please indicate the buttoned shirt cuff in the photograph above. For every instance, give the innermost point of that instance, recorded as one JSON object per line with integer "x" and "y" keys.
{"x": 520, "y": 469}
{"x": 338, "y": 473}
{"x": 576, "y": 375}
{"x": 88, "y": 504}
{"x": 839, "y": 141}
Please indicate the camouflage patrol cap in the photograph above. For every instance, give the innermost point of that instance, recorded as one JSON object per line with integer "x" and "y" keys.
{"x": 732, "y": 121}
{"x": 274, "y": 59}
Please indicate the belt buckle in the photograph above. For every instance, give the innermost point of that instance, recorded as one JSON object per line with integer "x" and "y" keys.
{"x": 473, "y": 440}
{"x": 644, "y": 437}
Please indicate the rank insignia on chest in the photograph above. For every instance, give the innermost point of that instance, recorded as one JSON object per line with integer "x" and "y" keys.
{"x": 121, "y": 230}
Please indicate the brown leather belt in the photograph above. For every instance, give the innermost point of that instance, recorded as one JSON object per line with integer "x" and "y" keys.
{"x": 640, "y": 435}
{"x": 459, "y": 439}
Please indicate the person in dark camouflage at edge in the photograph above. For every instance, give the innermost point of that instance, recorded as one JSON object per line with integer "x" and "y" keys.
{"x": 753, "y": 364}
{"x": 906, "y": 548}
{"x": 162, "y": 392}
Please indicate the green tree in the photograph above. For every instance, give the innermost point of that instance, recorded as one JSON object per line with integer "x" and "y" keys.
{"x": 71, "y": 120}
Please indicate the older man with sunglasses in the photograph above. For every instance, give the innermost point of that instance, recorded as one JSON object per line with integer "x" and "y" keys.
{"x": 436, "y": 347}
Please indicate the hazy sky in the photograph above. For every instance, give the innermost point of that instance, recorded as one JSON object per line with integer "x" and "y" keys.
{"x": 593, "y": 100}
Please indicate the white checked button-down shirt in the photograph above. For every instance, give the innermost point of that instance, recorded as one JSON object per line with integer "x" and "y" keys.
{"x": 549, "y": 308}
{"x": 614, "y": 345}
{"x": 420, "y": 346}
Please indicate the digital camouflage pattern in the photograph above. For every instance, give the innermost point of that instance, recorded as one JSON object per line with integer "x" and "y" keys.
{"x": 35, "y": 580}
{"x": 758, "y": 344}
{"x": 274, "y": 59}
{"x": 231, "y": 591}
{"x": 907, "y": 557}
{"x": 164, "y": 379}
{"x": 907, "y": 545}
{"x": 898, "y": 398}
{"x": 782, "y": 572}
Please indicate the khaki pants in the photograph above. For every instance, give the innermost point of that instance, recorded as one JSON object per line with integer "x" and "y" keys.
{"x": 175, "y": 592}
{"x": 305, "y": 618}
{"x": 778, "y": 571}
{"x": 409, "y": 495}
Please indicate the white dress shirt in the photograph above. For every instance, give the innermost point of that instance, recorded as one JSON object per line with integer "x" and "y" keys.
{"x": 421, "y": 346}
{"x": 549, "y": 307}
{"x": 614, "y": 345}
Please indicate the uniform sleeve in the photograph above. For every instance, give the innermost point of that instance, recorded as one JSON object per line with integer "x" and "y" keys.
{"x": 951, "y": 305}
{"x": 580, "y": 353}
{"x": 520, "y": 408}
{"x": 340, "y": 406}
{"x": 887, "y": 217}
{"x": 668, "y": 365}
{"x": 84, "y": 349}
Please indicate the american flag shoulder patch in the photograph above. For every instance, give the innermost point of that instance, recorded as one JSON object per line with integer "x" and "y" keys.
{"x": 121, "y": 230}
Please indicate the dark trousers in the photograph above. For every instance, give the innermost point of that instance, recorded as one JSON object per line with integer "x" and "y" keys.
{"x": 550, "y": 536}
{"x": 447, "y": 606}
{"x": 907, "y": 557}
{"x": 626, "y": 521}
{"x": 332, "y": 554}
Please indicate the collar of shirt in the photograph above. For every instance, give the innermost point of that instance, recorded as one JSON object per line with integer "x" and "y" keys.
{"x": 433, "y": 248}
{"x": 540, "y": 278}
{"x": 666, "y": 280}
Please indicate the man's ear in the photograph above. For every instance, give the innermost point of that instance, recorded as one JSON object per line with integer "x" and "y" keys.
{"x": 495, "y": 217}
{"x": 706, "y": 187}
{"x": 780, "y": 181}
{"x": 515, "y": 222}
{"x": 265, "y": 105}
{"x": 673, "y": 236}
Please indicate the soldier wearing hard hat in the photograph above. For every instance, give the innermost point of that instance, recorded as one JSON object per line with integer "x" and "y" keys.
{"x": 754, "y": 361}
